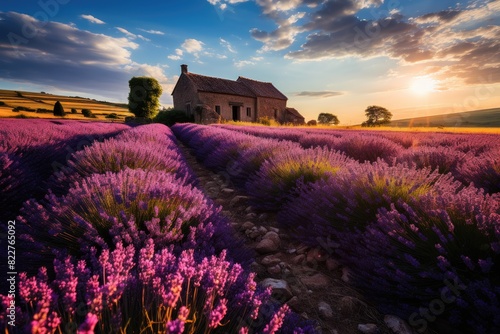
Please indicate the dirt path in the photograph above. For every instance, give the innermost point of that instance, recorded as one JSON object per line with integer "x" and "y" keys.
{"x": 312, "y": 284}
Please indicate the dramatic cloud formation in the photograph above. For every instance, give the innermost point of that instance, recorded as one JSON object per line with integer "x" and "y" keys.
{"x": 92, "y": 19}
{"x": 59, "y": 55}
{"x": 461, "y": 43}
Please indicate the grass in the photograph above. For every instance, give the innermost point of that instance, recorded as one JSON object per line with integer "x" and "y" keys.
{"x": 11, "y": 99}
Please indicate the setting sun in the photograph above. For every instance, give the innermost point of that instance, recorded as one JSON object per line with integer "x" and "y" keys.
{"x": 423, "y": 85}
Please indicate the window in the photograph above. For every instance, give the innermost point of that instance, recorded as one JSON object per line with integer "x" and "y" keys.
{"x": 188, "y": 109}
{"x": 249, "y": 112}
{"x": 217, "y": 109}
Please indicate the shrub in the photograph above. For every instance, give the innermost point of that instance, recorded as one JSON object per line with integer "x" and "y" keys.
{"x": 115, "y": 155}
{"x": 483, "y": 171}
{"x": 280, "y": 175}
{"x": 312, "y": 122}
{"x": 351, "y": 199}
{"x": 58, "y": 109}
{"x": 125, "y": 206}
{"x": 74, "y": 111}
{"x": 112, "y": 115}
{"x": 443, "y": 241}
{"x": 87, "y": 113}
{"x": 170, "y": 117}
{"x": 269, "y": 121}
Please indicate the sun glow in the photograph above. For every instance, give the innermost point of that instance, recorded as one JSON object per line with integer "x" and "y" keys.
{"x": 423, "y": 85}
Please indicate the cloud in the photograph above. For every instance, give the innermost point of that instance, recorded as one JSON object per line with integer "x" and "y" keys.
{"x": 177, "y": 56}
{"x": 457, "y": 42}
{"x": 192, "y": 45}
{"x": 131, "y": 35}
{"x": 92, "y": 19}
{"x": 243, "y": 63}
{"x": 227, "y": 45}
{"x": 153, "y": 32}
{"x": 61, "y": 56}
{"x": 321, "y": 94}
{"x": 222, "y": 4}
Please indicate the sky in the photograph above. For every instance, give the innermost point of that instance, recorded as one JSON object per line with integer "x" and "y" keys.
{"x": 413, "y": 57}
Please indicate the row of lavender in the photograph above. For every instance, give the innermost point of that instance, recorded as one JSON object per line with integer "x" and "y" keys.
{"x": 126, "y": 243}
{"x": 471, "y": 158}
{"x": 30, "y": 151}
{"x": 419, "y": 243}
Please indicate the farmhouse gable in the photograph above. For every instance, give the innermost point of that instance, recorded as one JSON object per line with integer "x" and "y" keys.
{"x": 210, "y": 98}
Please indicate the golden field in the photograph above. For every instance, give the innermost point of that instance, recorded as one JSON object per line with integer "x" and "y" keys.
{"x": 11, "y": 99}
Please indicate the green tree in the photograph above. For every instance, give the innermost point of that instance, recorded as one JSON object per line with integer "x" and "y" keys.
{"x": 327, "y": 118}
{"x": 144, "y": 96}
{"x": 171, "y": 116}
{"x": 377, "y": 116}
{"x": 58, "y": 109}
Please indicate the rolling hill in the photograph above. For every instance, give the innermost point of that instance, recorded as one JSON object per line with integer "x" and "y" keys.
{"x": 41, "y": 105}
{"x": 485, "y": 118}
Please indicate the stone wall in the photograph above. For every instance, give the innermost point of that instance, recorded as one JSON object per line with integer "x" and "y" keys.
{"x": 184, "y": 94}
{"x": 272, "y": 108}
{"x": 206, "y": 115}
{"x": 226, "y": 103}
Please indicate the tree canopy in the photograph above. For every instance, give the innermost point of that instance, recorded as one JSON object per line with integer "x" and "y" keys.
{"x": 144, "y": 96}
{"x": 327, "y": 118}
{"x": 377, "y": 116}
{"x": 58, "y": 109}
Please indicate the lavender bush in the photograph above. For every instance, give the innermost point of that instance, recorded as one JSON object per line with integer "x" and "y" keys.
{"x": 279, "y": 176}
{"x": 445, "y": 246}
{"x": 148, "y": 291}
{"x": 351, "y": 199}
{"x": 128, "y": 206}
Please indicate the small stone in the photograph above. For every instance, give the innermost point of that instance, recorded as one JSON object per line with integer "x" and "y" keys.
{"x": 249, "y": 209}
{"x": 348, "y": 305}
{"x": 295, "y": 304}
{"x": 397, "y": 325}
{"x": 299, "y": 259}
{"x": 237, "y": 200}
{"x": 252, "y": 233}
{"x": 315, "y": 255}
{"x": 291, "y": 250}
{"x": 274, "y": 229}
{"x": 266, "y": 246}
{"x": 270, "y": 260}
{"x": 250, "y": 215}
{"x": 263, "y": 216}
{"x": 345, "y": 275}
{"x": 262, "y": 230}
{"x": 272, "y": 236}
{"x": 332, "y": 264}
{"x": 325, "y": 310}
{"x": 281, "y": 290}
{"x": 317, "y": 281}
{"x": 228, "y": 190}
{"x": 247, "y": 225}
{"x": 274, "y": 270}
{"x": 302, "y": 249}
{"x": 368, "y": 328}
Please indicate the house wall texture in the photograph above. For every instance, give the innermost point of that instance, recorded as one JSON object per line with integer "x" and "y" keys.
{"x": 266, "y": 107}
{"x": 226, "y": 102}
{"x": 185, "y": 93}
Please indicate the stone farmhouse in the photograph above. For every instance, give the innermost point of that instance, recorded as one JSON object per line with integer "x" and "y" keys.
{"x": 210, "y": 99}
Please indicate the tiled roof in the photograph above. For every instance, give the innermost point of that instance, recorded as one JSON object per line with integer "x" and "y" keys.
{"x": 263, "y": 89}
{"x": 217, "y": 85}
{"x": 241, "y": 87}
{"x": 294, "y": 112}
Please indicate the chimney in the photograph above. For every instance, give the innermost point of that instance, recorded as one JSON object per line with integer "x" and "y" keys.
{"x": 184, "y": 68}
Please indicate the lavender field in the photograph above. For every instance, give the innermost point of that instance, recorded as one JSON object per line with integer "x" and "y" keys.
{"x": 113, "y": 234}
